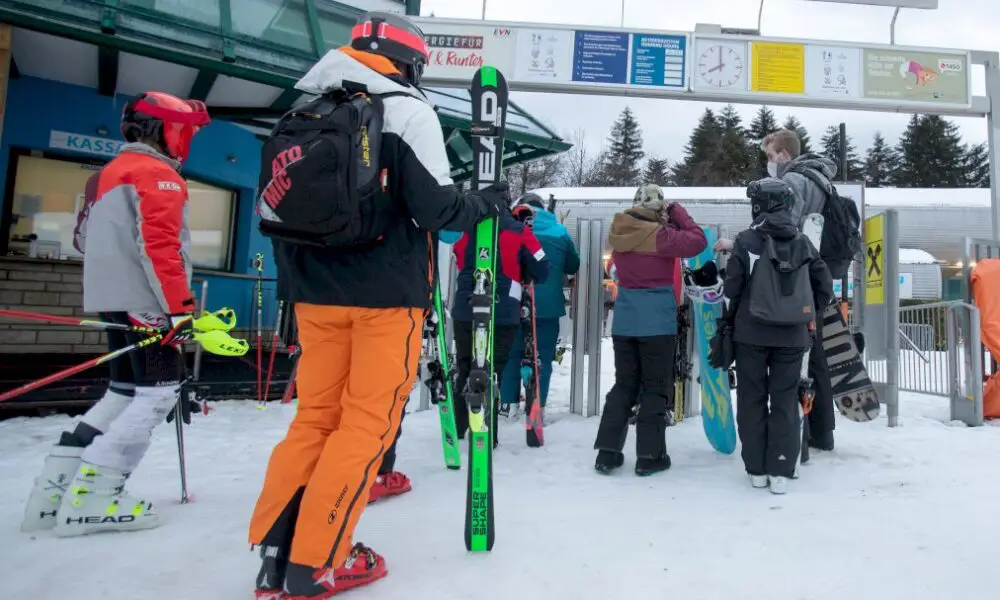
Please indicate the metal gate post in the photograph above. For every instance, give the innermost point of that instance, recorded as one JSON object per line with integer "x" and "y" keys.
{"x": 891, "y": 284}
{"x": 578, "y": 312}
{"x": 595, "y": 316}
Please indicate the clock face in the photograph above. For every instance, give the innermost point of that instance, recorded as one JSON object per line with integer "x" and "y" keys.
{"x": 721, "y": 66}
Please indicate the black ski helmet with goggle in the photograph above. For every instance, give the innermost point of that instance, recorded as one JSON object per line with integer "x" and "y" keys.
{"x": 394, "y": 37}
{"x": 768, "y": 195}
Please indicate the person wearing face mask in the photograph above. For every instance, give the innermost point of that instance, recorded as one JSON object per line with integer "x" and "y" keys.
{"x": 809, "y": 175}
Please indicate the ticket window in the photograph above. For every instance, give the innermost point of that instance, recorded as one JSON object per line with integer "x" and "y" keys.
{"x": 48, "y": 195}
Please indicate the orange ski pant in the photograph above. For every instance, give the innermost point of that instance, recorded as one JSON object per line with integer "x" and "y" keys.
{"x": 355, "y": 374}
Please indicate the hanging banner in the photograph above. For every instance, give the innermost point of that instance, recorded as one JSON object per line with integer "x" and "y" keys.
{"x": 457, "y": 51}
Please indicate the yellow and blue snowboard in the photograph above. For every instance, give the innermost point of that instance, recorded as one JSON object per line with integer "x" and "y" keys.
{"x": 716, "y": 404}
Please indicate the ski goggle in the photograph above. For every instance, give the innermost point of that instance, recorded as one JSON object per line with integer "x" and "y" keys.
{"x": 705, "y": 295}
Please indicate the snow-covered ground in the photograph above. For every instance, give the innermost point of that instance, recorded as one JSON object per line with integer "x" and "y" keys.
{"x": 892, "y": 513}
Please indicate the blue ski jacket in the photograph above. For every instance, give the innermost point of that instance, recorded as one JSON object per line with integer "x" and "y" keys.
{"x": 550, "y": 303}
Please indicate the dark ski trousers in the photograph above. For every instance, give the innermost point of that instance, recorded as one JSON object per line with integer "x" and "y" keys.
{"x": 644, "y": 375}
{"x": 503, "y": 339}
{"x": 767, "y": 413}
{"x": 389, "y": 458}
{"x": 821, "y": 420}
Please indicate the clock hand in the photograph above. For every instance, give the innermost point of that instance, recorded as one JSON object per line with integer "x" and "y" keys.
{"x": 721, "y": 66}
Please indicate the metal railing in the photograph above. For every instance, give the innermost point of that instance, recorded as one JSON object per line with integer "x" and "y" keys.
{"x": 939, "y": 355}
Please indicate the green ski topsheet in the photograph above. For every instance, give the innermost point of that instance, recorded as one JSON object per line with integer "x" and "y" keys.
{"x": 489, "y": 115}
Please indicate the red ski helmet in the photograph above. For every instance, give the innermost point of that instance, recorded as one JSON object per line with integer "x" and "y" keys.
{"x": 169, "y": 120}
{"x": 394, "y": 37}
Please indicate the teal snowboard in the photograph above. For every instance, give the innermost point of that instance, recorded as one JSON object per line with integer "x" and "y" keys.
{"x": 716, "y": 403}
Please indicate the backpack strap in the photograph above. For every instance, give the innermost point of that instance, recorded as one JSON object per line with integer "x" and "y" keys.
{"x": 813, "y": 175}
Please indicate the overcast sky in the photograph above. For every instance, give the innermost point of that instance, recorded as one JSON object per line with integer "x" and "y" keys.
{"x": 666, "y": 124}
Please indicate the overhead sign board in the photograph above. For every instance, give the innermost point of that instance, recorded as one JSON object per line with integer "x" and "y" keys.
{"x": 695, "y": 66}
{"x": 757, "y": 68}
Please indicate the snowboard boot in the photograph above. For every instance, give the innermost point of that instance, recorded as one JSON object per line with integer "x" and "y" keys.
{"x": 96, "y": 501}
{"x": 60, "y": 466}
{"x": 607, "y": 461}
{"x": 822, "y": 442}
{"x": 649, "y": 466}
{"x": 778, "y": 484}
{"x": 271, "y": 578}
{"x": 387, "y": 485}
{"x": 758, "y": 481}
{"x": 363, "y": 566}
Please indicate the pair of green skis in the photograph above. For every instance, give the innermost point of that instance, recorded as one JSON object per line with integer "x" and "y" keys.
{"x": 489, "y": 119}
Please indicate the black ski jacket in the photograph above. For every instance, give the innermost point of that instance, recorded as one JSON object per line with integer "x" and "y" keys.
{"x": 747, "y": 248}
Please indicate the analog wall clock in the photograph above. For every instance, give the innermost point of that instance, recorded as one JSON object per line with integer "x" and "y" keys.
{"x": 721, "y": 65}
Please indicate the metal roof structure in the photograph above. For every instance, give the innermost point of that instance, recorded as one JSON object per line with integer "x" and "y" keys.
{"x": 241, "y": 57}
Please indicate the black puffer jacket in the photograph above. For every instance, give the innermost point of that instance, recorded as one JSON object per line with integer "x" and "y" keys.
{"x": 748, "y": 246}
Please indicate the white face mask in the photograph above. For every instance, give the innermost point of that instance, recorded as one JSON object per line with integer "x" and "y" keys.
{"x": 772, "y": 168}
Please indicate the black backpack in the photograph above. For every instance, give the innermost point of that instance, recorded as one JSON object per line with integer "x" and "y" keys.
{"x": 841, "y": 241}
{"x": 321, "y": 183}
{"x": 780, "y": 291}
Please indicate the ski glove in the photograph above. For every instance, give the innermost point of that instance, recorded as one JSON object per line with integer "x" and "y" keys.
{"x": 180, "y": 331}
{"x": 495, "y": 199}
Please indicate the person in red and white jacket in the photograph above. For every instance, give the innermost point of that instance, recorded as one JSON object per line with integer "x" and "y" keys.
{"x": 520, "y": 258}
{"x": 132, "y": 231}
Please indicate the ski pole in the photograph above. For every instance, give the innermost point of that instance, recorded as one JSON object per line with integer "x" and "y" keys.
{"x": 89, "y": 323}
{"x": 44, "y": 381}
{"x": 275, "y": 340}
{"x": 258, "y": 263}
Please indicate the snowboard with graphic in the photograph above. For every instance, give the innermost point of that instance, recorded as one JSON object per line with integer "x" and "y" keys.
{"x": 716, "y": 402}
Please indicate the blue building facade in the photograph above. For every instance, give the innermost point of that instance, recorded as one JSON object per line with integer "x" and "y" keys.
{"x": 71, "y": 122}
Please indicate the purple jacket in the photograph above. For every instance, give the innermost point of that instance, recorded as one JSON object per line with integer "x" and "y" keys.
{"x": 644, "y": 250}
{"x": 645, "y": 253}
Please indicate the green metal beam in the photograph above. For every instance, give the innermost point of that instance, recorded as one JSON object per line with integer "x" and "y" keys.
{"x": 226, "y": 29}
{"x": 315, "y": 31}
{"x": 202, "y": 85}
{"x": 107, "y": 71}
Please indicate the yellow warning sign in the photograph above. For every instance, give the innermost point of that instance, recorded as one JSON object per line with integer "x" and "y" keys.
{"x": 875, "y": 259}
{"x": 778, "y": 68}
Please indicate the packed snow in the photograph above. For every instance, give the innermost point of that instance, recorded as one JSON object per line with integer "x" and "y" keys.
{"x": 908, "y": 512}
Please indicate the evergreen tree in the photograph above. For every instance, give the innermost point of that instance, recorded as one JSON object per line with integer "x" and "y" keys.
{"x": 737, "y": 156}
{"x": 793, "y": 124}
{"x": 763, "y": 124}
{"x": 880, "y": 162}
{"x": 621, "y": 166}
{"x": 657, "y": 171}
{"x": 931, "y": 154}
{"x": 702, "y": 154}
{"x": 977, "y": 166}
{"x": 831, "y": 149}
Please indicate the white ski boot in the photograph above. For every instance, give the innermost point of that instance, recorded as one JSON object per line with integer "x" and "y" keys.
{"x": 96, "y": 501}
{"x": 778, "y": 484}
{"x": 60, "y": 466}
{"x": 758, "y": 481}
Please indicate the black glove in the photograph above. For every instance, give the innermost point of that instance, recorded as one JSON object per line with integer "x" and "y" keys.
{"x": 189, "y": 404}
{"x": 494, "y": 199}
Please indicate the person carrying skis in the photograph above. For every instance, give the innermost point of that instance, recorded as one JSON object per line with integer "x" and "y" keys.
{"x": 133, "y": 233}
{"x": 390, "y": 482}
{"x": 359, "y": 307}
{"x": 646, "y": 241}
{"x": 810, "y": 177}
{"x": 775, "y": 282}
{"x": 550, "y": 303}
{"x": 520, "y": 257}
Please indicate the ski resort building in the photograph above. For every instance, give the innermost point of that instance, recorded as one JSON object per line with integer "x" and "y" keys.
{"x": 66, "y": 71}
